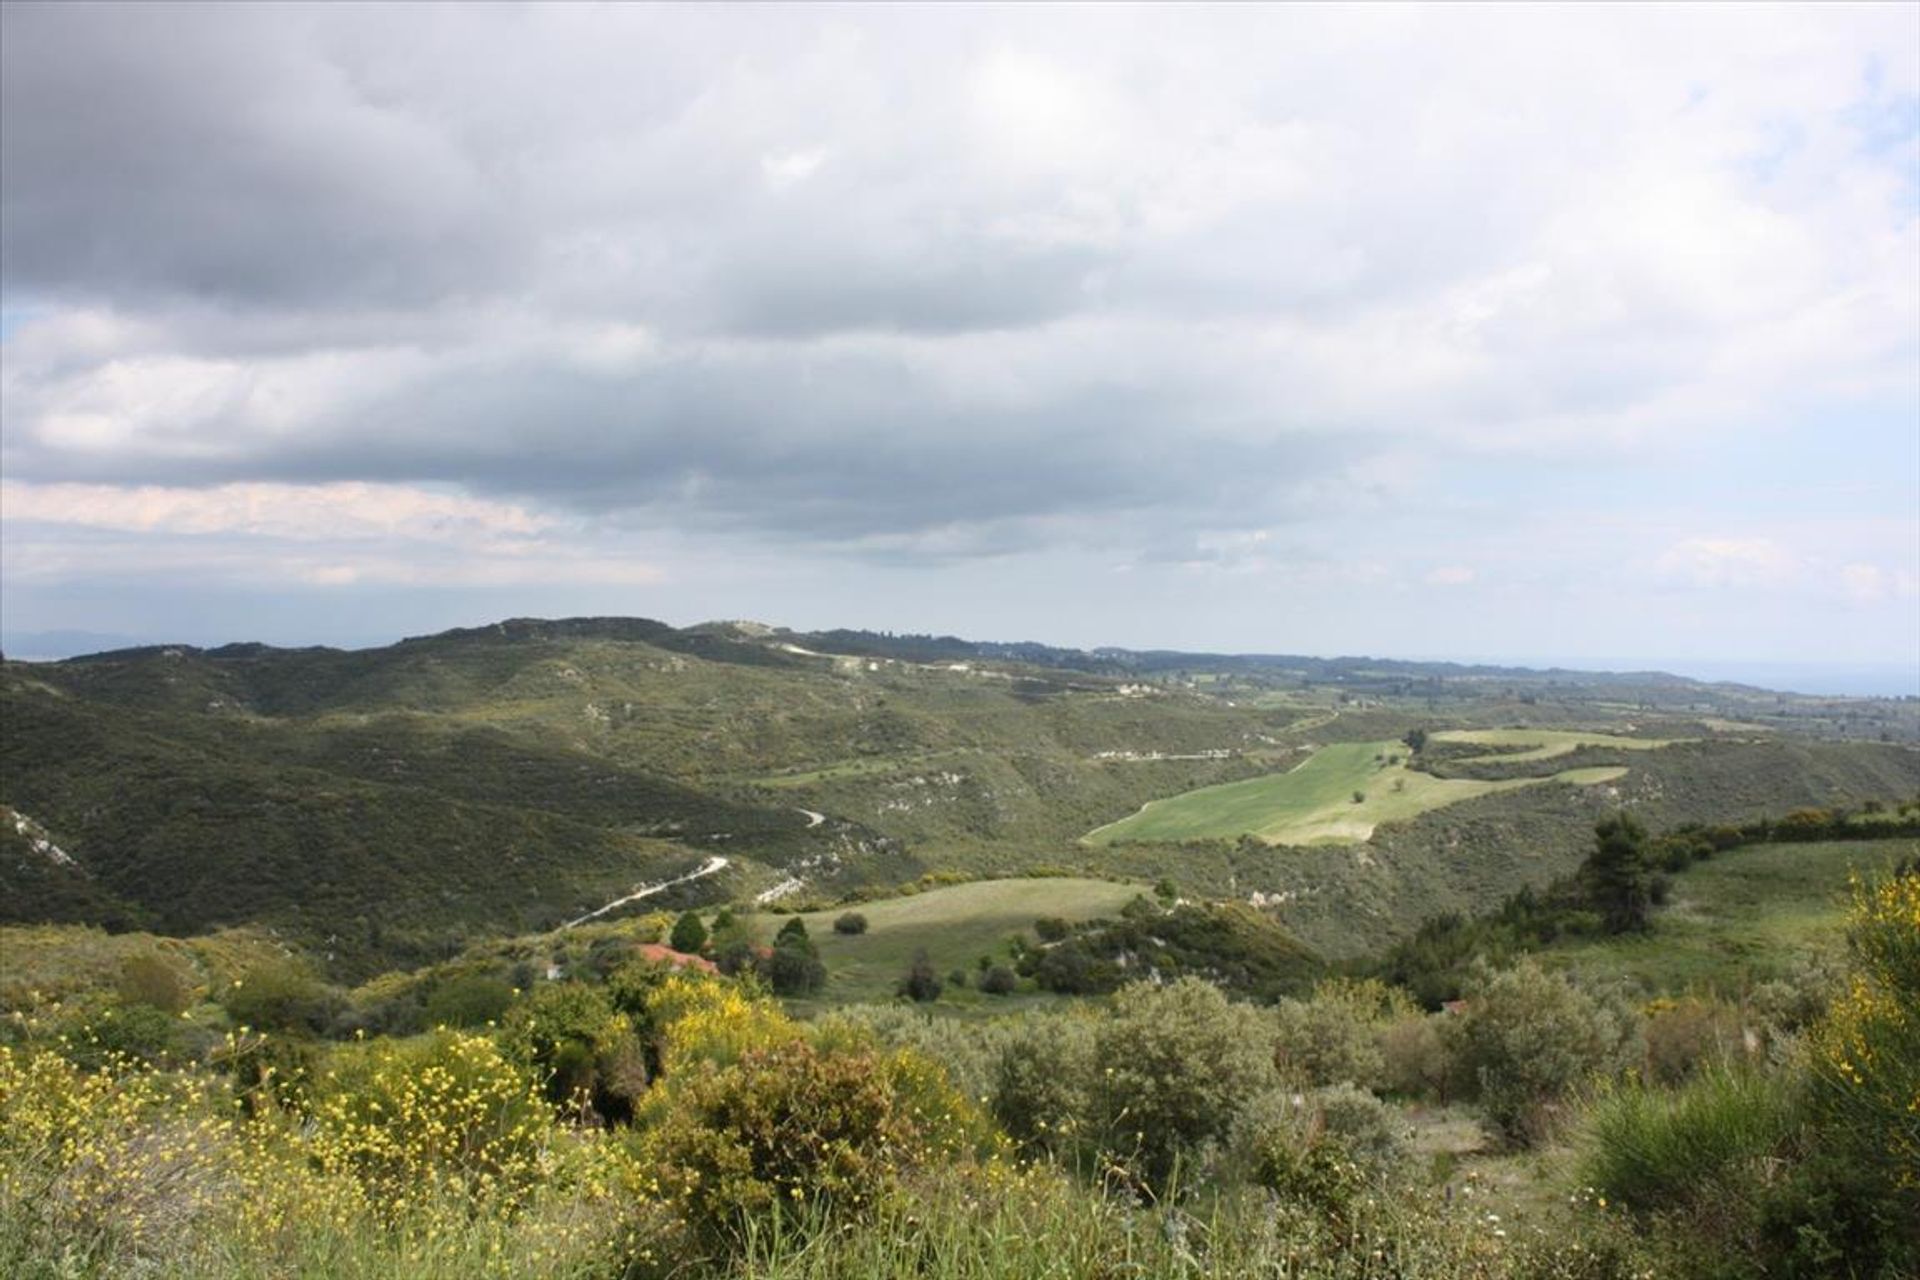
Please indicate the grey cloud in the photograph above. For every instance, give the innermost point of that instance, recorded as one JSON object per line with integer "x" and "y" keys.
{"x": 214, "y": 152}
{"x": 859, "y": 292}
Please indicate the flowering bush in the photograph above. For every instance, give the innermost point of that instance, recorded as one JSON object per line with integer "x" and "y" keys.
{"x": 786, "y": 1130}
{"x": 445, "y": 1113}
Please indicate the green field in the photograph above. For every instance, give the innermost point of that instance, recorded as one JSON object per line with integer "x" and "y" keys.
{"x": 1544, "y": 744}
{"x": 1315, "y": 802}
{"x": 956, "y": 924}
{"x": 1745, "y": 916}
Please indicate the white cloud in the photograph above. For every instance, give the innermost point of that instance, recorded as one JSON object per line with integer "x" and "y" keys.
{"x": 321, "y": 512}
{"x": 1728, "y": 562}
{"x": 1870, "y": 584}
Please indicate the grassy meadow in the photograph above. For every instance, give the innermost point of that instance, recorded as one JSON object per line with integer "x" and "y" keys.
{"x": 1544, "y": 744}
{"x": 1754, "y": 914}
{"x": 955, "y": 924}
{"x": 1337, "y": 795}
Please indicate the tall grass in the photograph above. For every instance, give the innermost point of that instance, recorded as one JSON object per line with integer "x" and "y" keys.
{"x": 1653, "y": 1149}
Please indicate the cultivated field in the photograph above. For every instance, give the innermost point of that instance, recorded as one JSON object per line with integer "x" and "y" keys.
{"x": 1337, "y": 795}
{"x": 1544, "y": 744}
{"x": 956, "y": 924}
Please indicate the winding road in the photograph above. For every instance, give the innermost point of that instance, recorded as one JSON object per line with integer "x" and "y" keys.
{"x": 707, "y": 868}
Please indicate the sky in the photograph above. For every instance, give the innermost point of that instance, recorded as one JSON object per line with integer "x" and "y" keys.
{"x": 1586, "y": 335}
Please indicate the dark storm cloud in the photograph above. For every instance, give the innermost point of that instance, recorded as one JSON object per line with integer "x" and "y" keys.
{"x": 214, "y": 153}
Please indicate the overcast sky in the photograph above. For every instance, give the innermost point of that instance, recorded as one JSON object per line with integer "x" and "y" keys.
{"x": 1588, "y": 334}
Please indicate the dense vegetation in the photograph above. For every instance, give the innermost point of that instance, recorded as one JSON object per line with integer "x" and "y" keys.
{"x": 160, "y": 1114}
{"x": 601, "y": 948}
{"x": 387, "y": 807}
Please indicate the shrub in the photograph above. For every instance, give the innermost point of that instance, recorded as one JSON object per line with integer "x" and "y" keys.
{"x": 1865, "y": 1095}
{"x": 1332, "y": 1038}
{"x": 921, "y": 984}
{"x": 583, "y": 1051}
{"x": 1041, "y": 1081}
{"x": 281, "y": 996}
{"x": 998, "y": 980}
{"x": 1051, "y": 928}
{"x": 1321, "y": 1148}
{"x": 787, "y": 1130}
{"x": 850, "y": 923}
{"x": 1652, "y": 1148}
{"x": 794, "y": 967}
{"x": 689, "y": 935}
{"x": 447, "y": 1112}
{"x": 150, "y": 979}
{"x": 1527, "y": 1039}
{"x": 470, "y": 1000}
{"x": 1414, "y": 1061}
{"x": 95, "y": 1034}
{"x": 1180, "y": 1060}
{"x": 703, "y": 1020}
{"x": 1684, "y": 1035}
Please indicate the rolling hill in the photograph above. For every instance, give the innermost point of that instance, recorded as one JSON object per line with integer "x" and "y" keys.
{"x": 386, "y": 806}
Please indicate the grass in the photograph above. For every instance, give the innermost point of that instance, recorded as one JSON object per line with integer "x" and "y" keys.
{"x": 1743, "y": 917}
{"x": 956, "y": 924}
{"x": 1653, "y": 1148}
{"x": 1315, "y": 803}
{"x": 1544, "y": 744}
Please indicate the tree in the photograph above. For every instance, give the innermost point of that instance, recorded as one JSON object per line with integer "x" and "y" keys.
{"x": 688, "y": 935}
{"x": 921, "y": 984}
{"x": 1618, "y": 876}
{"x": 998, "y": 981}
{"x": 850, "y": 923}
{"x": 794, "y": 968}
{"x": 1416, "y": 740}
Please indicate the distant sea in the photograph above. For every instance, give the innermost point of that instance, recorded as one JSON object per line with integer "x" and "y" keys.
{"x": 1888, "y": 680}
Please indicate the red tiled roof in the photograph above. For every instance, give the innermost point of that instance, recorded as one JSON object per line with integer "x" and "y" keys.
{"x": 658, "y": 953}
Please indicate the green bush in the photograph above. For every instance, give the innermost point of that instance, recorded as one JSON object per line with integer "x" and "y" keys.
{"x": 1321, "y": 1149}
{"x": 1651, "y": 1148}
{"x": 470, "y": 1000}
{"x": 850, "y": 923}
{"x": 689, "y": 934}
{"x": 1178, "y": 1063}
{"x": 583, "y": 1050}
{"x": 1041, "y": 1081}
{"x": 150, "y": 979}
{"x": 281, "y": 996}
{"x": 1528, "y": 1039}
{"x": 1333, "y": 1037}
{"x": 96, "y": 1033}
{"x": 920, "y": 983}
{"x": 794, "y": 967}
{"x": 1414, "y": 1058}
{"x": 1687, "y": 1035}
{"x": 787, "y": 1130}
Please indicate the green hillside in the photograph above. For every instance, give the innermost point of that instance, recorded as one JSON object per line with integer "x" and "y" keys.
{"x": 388, "y": 806}
{"x": 1337, "y": 795}
{"x": 1758, "y": 913}
{"x": 954, "y": 925}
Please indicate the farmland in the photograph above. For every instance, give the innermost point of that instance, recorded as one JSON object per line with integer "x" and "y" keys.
{"x": 1338, "y": 795}
{"x": 1543, "y": 744}
{"x": 955, "y": 924}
